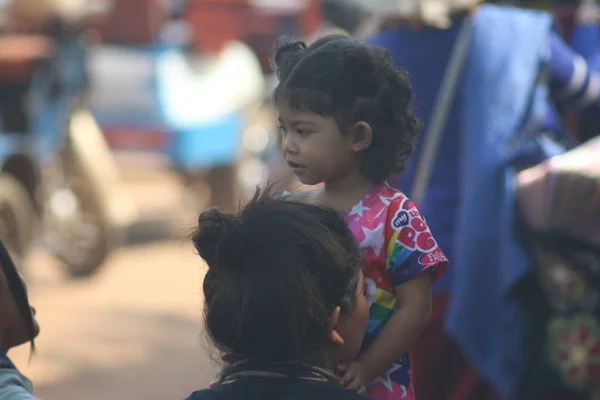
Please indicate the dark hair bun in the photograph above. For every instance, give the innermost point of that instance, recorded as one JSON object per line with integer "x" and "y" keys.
{"x": 215, "y": 230}
{"x": 286, "y": 55}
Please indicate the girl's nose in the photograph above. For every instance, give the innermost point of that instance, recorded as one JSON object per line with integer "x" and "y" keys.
{"x": 288, "y": 145}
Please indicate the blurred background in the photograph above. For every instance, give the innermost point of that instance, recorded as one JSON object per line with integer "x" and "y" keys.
{"x": 120, "y": 120}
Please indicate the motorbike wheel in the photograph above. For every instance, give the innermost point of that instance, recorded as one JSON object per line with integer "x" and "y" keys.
{"x": 85, "y": 240}
{"x": 83, "y": 226}
{"x": 17, "y": 215}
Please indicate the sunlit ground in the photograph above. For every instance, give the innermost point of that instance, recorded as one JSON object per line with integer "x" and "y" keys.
{"x": 131, "y": 332}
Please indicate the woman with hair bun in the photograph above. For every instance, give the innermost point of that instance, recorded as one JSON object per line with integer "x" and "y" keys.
{"x": 283, "y": 299}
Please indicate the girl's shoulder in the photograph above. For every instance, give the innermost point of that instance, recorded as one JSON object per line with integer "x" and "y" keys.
{"x": 391, "y": 192}
{"x": 383, "y": 196}
{"x": 303, "y": 196}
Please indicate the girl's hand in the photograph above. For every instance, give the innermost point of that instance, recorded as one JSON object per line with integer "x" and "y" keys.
{"x": 355, "y": 376}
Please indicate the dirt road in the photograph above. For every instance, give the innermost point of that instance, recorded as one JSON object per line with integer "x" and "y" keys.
{"x": 132, "y": 332}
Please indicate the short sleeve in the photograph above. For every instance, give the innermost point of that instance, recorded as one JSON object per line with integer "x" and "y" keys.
{"x": 410, "y": 247}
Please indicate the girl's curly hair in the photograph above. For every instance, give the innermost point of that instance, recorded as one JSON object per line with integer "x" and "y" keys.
{"x": 348, "y": 80}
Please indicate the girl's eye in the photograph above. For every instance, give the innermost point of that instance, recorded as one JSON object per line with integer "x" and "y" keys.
{"x": 303, "y": 132}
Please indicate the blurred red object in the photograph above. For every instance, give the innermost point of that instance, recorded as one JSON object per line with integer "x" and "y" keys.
{"x": 124, "y": 136}
{"x": 565, "y": 16}
{"x": 310, "y": 20}
{"x": 134, "y": 22}
{"x": 215, "y": 22}
{"x": 19, "y": 55}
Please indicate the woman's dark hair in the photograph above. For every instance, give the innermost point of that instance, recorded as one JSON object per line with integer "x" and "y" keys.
{"x": 276, "y": 271}
{"x": 343, "y": 78}
{"x": 18, "y": 291}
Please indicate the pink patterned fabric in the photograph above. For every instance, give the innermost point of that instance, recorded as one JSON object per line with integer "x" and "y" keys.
{"x": 397, "y": 245}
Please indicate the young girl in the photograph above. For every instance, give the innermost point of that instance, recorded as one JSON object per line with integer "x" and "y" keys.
{"x": 346, "y": 121}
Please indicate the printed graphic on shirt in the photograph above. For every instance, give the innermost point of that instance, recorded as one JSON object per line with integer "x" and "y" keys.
{"x": 397, "y": 245}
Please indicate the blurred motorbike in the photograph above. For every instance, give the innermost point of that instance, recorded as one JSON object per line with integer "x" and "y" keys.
{"x": 57, "y": 175}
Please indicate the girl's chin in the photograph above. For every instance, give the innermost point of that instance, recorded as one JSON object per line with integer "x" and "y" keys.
{"x": 306, "y": 181}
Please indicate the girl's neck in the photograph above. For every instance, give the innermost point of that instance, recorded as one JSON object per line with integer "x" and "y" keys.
{"x": 345, "y": 193}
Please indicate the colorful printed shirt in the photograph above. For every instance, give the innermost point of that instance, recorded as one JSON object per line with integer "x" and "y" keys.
{"x": 397, "y": 246}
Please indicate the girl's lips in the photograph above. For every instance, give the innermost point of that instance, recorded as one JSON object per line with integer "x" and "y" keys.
{"x": 296, "y": 167}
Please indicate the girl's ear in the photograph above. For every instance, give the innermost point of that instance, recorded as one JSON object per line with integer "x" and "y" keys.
{"x": 362, "y": 136}
{"x": 332, "y": 323}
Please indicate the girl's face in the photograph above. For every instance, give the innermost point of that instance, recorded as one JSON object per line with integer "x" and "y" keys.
{"x": 13, "y": 331}
{"x": 352, "y": 327}
{"x": 314, "y": 147}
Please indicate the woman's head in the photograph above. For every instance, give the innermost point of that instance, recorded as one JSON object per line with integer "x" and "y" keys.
{"x": 343, "y": 107}
{"x": 17, "y": 321}
{"x": 283, "y": 283}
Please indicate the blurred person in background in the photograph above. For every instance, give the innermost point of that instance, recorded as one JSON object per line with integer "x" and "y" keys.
{"x": 17, "y": 326}
{"x": 472, "y": 348}
{"x": 340, "y": 16}
{"x": 283, "y": 299}
{"x": 25, "y": 15}
{"x": 288, "y": 12}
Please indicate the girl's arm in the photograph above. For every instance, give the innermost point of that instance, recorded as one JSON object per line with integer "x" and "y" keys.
{"x": 412, "y": 315}
{"x": 573, "y": 83}
{"x": 402, "y": 329}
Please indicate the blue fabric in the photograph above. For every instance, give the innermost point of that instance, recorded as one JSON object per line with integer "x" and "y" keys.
{"x": 570, "y": 93}
{"x": 200, "y": 139}
{"x": 209, "y": 144}
{"x": 473, "y": 173}
{"x": 500, "y": 79}
{"x": 424, "y": 54}
{"x": 585, "y": 40}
